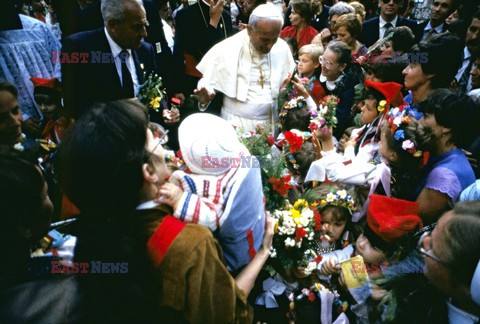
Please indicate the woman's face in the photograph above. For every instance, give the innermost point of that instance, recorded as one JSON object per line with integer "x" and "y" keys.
{"x": 345, "y": 37}
{"x": 454, "y": 17}
{"x": 332, "y": 226}
{"x": 387, "y": 49}
{"x": 437, "y": 273}
{"x": 296, "y": 19}
{"x": 331, "y": 68}
{"x": 154, "y": 148}
{"x": 369, "y": 253}
{"x": 333, "y": 22}
{"x": 414, "y": 76}
{"x": 369, "y": 111}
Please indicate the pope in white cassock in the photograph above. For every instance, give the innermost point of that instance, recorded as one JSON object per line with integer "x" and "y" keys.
{"x": 249, "y": 69}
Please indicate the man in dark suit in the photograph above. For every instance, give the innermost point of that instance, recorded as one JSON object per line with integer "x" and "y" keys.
{"x": 377, "y": 28}
{"x": 198, "y": 28}
{"x": 111, "y": 61}
{"x": 441, "y": 9}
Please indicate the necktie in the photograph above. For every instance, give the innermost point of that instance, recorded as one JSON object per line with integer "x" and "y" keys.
{"x": 388, "y": 26}
{"x": 430, "y": 33}
{"x": 465, "y": 75}
{"x": 127, "y": 83}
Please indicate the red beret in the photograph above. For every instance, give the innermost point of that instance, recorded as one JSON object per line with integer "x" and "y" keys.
{"x": 392, "y": 218}
{"x": 47, "y": 83}
{"x": 390, "y": 90}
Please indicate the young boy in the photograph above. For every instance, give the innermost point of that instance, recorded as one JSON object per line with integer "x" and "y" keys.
{"x": 308, "y": 63}
{"x": 223, "y": 190}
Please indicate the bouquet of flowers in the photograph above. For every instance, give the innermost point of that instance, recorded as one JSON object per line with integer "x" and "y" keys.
{"x": 275, "y": 177}
{"x": 324, "y": 117}
{"x": 294, "y": 243}
{"x": 152, "y": 94}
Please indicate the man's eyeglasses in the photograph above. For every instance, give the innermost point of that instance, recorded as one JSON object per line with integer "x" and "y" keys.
{"x": 159, "y": 135}
{"x": 428, "y": 253}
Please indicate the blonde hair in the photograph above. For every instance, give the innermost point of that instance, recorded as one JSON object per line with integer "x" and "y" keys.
{"x": 359, "y": 9}
{"x": 314, "y": 50}
{"x": 351, "y": 22}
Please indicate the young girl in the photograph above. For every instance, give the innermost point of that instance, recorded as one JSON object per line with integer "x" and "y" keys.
{"x": 405, "y": 145}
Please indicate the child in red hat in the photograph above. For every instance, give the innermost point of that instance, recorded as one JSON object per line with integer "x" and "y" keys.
{"x": 388, "y": 236}
{"x": 48, "y": 97}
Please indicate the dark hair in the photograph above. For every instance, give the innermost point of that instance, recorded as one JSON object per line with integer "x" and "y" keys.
{"x": 305, "y": 8}
{"x": 403, "y": 39}
{"x": 456, "y": 111}
{"x": 460, "y": 235}
{"x": 21, "y": 186}
{"x": 349, "y": 131}
{"x": 102, "y": 156}
{"x": 459, "y": 29}
{"x": 297, "y": 118}
{"x": 386, "y": 70}
{"x": 304, "y": 158}
{"x": 422, "y": 137}
{"x": 439, "y": 47}
{"x": 101, "y": 160}
{"x": 344, "y": 55}
{"x": 7, "y": 86}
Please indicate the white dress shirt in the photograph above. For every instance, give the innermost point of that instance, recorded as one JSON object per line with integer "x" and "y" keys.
{"x": 116, "y": 50}
{"x": 382, "y": 23}
{"x": 427, "y": 29}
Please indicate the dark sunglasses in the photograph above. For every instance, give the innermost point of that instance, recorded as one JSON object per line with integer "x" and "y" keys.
{"x": 395, "y": 1}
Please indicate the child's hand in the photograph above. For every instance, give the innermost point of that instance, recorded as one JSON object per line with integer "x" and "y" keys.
{"x": 268, "y": 236}
{"x": 170, "y": 195}
{"x": 330, "y": 267}
{"x": 300, "y": 87}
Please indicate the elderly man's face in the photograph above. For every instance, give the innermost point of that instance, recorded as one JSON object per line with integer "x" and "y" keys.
{"x": 265, "y": 35}
{"x": 130, "y": 32}
{"x": 10, "y": 119}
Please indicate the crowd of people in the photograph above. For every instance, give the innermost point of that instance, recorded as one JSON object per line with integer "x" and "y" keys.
{"x": 246, "y": 161}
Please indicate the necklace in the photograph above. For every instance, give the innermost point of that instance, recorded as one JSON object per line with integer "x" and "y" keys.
{"x": 261, "y": 80}
{"x": 322, "y": 249}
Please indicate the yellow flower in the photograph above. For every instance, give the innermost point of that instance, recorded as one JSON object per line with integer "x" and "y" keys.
{"x": 295, "y": 216}
{"x": 155, "y": 102}
{"x": 300, "y": 203}
{"x": 418, "y": 153}
{"x": 276, "y": 227}
{"x": 381, "y": 106}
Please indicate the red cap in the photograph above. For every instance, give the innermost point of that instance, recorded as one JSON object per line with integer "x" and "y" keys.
{"x": 392, "y": 218}
{"x": 47, "y": 83}
{"x": 391, "y": 91}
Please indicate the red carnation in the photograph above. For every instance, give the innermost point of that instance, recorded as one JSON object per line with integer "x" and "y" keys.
{"x": 313, "y": 126}
{"x": 281, "y": 185}
{"x": 318, "y": 259}
{"x": 300, "y": 233}
{"x": 295, "y": 141}
{"x": 318, "y": 220}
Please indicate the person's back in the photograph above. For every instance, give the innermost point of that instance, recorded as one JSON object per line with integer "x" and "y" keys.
{"x": 223, "y": 191}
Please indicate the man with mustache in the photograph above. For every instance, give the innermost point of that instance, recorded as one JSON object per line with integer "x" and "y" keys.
{"x": 472, "y": 40}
